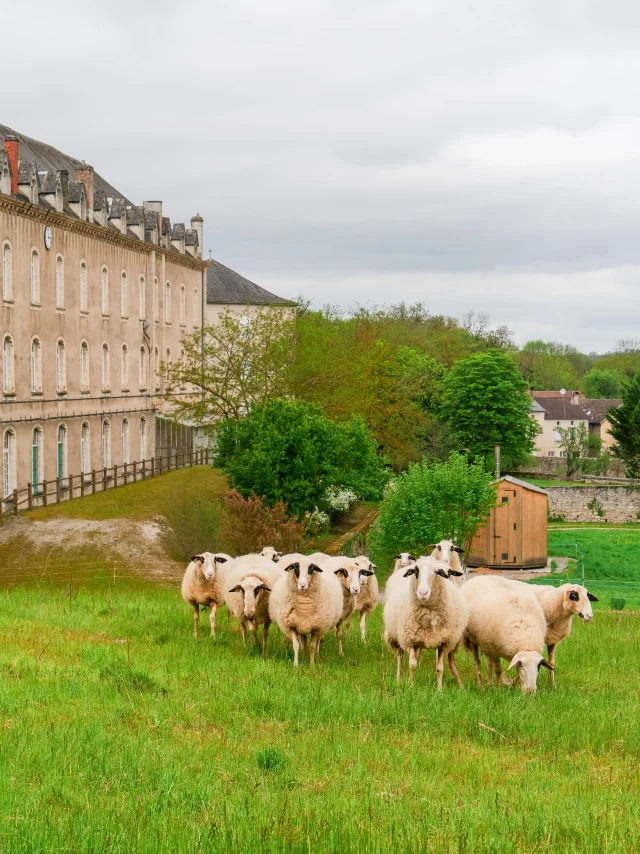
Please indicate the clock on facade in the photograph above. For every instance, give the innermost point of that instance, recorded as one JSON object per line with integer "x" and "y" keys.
{"x": 48, "y": 237}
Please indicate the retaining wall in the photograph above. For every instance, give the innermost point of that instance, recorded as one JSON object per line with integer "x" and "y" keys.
{"x": 594, "y": 503}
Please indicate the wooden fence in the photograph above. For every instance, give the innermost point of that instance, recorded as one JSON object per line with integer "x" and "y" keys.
{"x": 89, "y": 483}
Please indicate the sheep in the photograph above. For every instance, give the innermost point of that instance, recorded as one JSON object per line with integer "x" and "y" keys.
{"x": 425, "y": 612}
{"x": 305, "y": 601}
{"x": 367, "y": 598}
{"x": 204, "y": 584}
{"x": 271, "y": 553}
{"x": 248, "y": 585}
{"x": 449, "y": 552}
{"x": 559, "y": 605}
{"x": 348, "y": 572}
{"x": 505, "y": 622}
{"x": 403, "y": 560}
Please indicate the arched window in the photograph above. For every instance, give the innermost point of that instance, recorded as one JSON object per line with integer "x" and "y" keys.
{"x": 104, "y": 290}
{"x": 84, "y": 287}
{"x": 183, "y": 306}
{"x": 124, "y": 295}
{"x": 7, "y": 271}
{"x": 59, "y": 281}
{"x": 8, "y": 381}
{"x": 36, "y": 365}
{"x": 84, "y": 366}
{"x": 61, "y": 366}
{"x": 196, "y": 307}
{"x": 35, "y": 277}
{"x": 143, "y": 438}
{"x": 62, "y": 452}
{"x": 143, "y": 299}
{"x": 155, "y": 298}
{"x": 124, "y": 376}
{"x": 85, "y": 448}
{"x": 125, "y": 440}
{"x": 106, "y": 444}
{"x": 37, "y": 457}
{"x": 156, "y": 368}
{"x": 106, "y": 368}
{"x": 143, "y": 367}
{"x": 9, "y": 462}
{"x": 167, "y": 303}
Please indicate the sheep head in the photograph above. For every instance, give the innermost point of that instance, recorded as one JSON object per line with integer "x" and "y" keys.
{"x": 426, "y": 570}
{"x": 251, "y": 589}
{"x": 303, "y": 571}
{"x": 528, "y": 662}
{"x": 577, "y": 600}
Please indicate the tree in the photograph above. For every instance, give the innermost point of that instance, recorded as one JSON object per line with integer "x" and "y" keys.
{"x": 485, "y": 402}
{"x": 625, "y": 427}
{"x": 602, "y": 383}
{"x": 288, "y": 451}
{"x": 242, "y": 360}
{"x": 429, "y": 502}
{"x": 575, "y": 445}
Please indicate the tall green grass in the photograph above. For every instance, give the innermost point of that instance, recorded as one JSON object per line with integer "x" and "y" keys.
{"x": 120, "y": 733}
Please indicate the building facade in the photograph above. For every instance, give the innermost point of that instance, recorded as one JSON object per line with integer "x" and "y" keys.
{"x": 555, "y": 411}
{"x": 96, "y": 294}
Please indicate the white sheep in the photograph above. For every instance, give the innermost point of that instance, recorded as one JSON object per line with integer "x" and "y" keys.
{"x": 204, "y": 585}
{"x": 505, "y": 622}
{"x": 403, "y": 560}
{"x": 426, "y": 611}
{"x": 559, "y": 605}
{"x": 305, "y": 601}
{"x": 367, "y": 598}
{"x": 271, "y": 553}
{"x": 249, "y": 583}
{"x": 449, "y": 552}
{"x": 348, "y": 573}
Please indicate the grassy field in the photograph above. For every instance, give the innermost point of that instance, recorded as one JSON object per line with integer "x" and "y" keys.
{"x": 120, "y": 733}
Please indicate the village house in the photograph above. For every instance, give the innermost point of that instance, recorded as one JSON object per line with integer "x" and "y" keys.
{"x": 555, "y": 411}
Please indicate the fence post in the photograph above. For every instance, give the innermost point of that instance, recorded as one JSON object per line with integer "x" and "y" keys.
{"x": 115, "y": 477}
{"x": 93, "y": 481}
{"x": 81, "y": 484}
{"x": 153, "y": 466}
{"x": 104, "y": 479}
{"x": 29, "y": 496}
{"x": 45, "y": 500}
{"x": 15, "y": 502}
{"x": 57, "y": 490}
{"x": 70, "y": 487}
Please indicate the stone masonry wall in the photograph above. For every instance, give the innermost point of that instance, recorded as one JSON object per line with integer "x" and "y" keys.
{"x": 594, "y": 503}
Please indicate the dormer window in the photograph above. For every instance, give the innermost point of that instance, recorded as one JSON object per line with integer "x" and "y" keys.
{"x": 34, "y": 191}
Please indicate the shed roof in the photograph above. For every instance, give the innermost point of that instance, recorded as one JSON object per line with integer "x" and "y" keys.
{"x": 230, "y": 288}
{"x": 523, "y": 483}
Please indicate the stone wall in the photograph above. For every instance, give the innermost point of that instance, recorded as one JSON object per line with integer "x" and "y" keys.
{"x": 594, "y": 503}
{"x": 557, "y": 466}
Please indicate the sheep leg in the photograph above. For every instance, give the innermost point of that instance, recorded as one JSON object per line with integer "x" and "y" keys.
{"x": 363, "y": 627}
{"x": 489, "y": 671}
{"x": 196, "y": 619}
{"x": 399, "y": 655}
{"x": 413, "y": 663}
{"x": 212, "y": 619}
{"x": 440, "y": 666}
{"x": 295, "y": 640}
{"x": 265, "y": 636}
{"x": 478, "y": 664}
{"x": 551, "y": 655}
{"x": 451, "y": 658}
{"x": 314, "y": 649}
{"x": 339, "y": 636}
{"x": 254, "y": 632}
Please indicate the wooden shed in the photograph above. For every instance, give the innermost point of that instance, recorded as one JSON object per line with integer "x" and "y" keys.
{"x": 516, "y": 534}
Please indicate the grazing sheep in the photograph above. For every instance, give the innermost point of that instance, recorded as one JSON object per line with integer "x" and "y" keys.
{"x": 305, "y": 601}
{"x": 367, "y": 598}
{"x": 505, "y": 622}
{"x": 426, "y": 611}
{"x": 271, "y": 553}
{"x": 449, "y": 552}
{"x": 249, "y": 583}
{"x": 204, "y": 584}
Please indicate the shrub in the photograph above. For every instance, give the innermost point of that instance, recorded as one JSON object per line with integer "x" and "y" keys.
{"x": 288, "y": 451}
{"x": 430, "y": 502}
{"x": 340, "y": 500}
{"x": 250, "y": 525}
{"x": 618, "y": 603}
{"x": 193, "y": 525}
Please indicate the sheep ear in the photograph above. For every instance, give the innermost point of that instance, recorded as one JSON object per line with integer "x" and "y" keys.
{"x": 197, "y": 559}
{"x": 366, "y": 572}
{"x": 455, "y": 572}
{"x": 591, "y": 597}
{"x": 291, "y": 566}
{"x": 373, "y": 566}
{"x": 313, "y": 567}
{"x": 275, "y": 557}
{"x": 413, "y": 570}
{"x": 237, "y": 589}
{"x": 411, "y": 557}
{"x": 458, "y": 549}
{"x": 397, "y": 557}
{"x": 219, "y": 559}
{"x": 544, "y": 663}
{"x": 433, "y": 546}
{"x": 263, "y": 587}
{"x": 341, "y": 572}
{"x": 515, "y": 660}
{"x": 442, "y": 573}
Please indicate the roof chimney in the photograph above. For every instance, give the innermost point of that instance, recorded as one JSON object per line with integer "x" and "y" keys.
{"x": 84, "y": 173}
{"x": 11, "y": 147}
{"x": 197, "y": 223}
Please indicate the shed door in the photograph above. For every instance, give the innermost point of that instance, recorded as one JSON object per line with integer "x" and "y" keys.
{"x": 505, "y": 534}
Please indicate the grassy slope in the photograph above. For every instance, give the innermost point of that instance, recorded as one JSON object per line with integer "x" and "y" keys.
{"x": 119, "y": 733}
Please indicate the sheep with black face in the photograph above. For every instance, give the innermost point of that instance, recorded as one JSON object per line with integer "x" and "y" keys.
{"x": 203, "y": 585}
{"x": 305, "y": 602}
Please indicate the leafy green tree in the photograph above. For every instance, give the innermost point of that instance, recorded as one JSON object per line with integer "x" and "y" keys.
{"x": 600, "y": 382}
{"x": 288, "y": 451}
{"x": 546, "y": 365}
{"x": 625, "y": 427}
{"x": 485, "y": 402}
{"x": 575, "y": 446}
{"x": 429, "y": 502}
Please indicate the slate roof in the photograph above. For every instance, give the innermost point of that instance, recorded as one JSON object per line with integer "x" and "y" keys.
{"x": 49, "y": 158}
{"x": 560, "y": 409}
{"x": 598, "y": 407}
{"x": 227, "y": 287}
{"x": 536, "y": 407}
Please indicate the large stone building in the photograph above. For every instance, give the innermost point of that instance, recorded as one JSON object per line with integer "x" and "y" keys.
{"x": 558, "y": 410}
{"x": 96, "y": 293}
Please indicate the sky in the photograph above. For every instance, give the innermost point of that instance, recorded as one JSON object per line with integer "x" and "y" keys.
{"x": 473, "y": 156}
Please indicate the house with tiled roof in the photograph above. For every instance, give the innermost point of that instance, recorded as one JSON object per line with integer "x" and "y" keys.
{"x": 558, "y": 410}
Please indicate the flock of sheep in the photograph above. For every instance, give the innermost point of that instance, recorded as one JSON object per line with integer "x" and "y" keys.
{"x": 429, "y": 603}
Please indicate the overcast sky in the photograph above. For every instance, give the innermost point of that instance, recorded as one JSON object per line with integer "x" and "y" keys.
{"x": 470, "y": 155}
